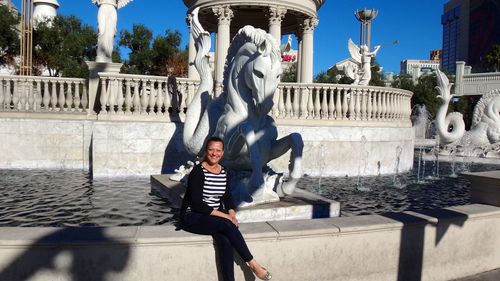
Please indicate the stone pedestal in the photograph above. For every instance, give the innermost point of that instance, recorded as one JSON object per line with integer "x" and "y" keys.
{"x": 300, "y": 205}
{"x": 94, "y": 69}
{"x": 485, "y": 187}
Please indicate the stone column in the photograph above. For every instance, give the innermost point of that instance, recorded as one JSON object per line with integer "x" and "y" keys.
{"x": 307, "y": 49}
{"x": 299, "y": 57}
{"x": 276, "y": 15}
{"x": 192, "y": 72}
{"x": 225, "y": 14}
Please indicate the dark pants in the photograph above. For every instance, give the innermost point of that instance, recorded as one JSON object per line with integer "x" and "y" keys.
{"x": 226, "y": 236}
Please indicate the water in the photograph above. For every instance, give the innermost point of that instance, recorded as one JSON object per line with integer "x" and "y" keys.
{"x": 384, "y": 196}
{"x": 71, "y": 198}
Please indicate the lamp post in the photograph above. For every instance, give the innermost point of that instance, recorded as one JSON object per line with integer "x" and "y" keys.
{"x": 26, "y": 37}
{"x": 365, "y": 17}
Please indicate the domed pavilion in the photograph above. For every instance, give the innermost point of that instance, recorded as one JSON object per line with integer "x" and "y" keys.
{"x": 226, "y": 17}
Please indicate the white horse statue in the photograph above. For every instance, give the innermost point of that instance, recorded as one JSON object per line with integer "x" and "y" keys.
{"x": 240, "y": 114}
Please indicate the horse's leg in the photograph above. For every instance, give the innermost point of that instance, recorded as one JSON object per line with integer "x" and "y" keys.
{"x": 280, "y": 147}
{"x": 251, "y": 139}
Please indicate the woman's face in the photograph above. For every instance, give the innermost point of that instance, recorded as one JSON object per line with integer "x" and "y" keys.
{"x": 215, "y": 150}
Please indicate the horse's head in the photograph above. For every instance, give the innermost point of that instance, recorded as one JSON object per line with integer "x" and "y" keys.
{"x": 257, "y": 63}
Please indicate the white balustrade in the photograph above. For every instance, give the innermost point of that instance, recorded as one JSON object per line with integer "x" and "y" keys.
{"x": 125, "y": 94}
{"x": 42, "y": 94}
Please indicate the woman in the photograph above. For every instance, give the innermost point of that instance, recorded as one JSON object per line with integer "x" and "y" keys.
{"x": 208, "y": 209}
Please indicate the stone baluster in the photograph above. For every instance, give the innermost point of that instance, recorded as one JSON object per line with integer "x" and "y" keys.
{"x": 152, "y": 97}
{"x": 331, "y": 104}
{"x": 168, "y": 101}
{"x": 384, "y": 106}
{"x": 104, "y": 96}
{"x": 352, "y": 96}
{"x": 7, "y": 95}
{"x": 288, "y": 102}
{"x": 46, "y": 95}
{"x": 357, "y": 104}
{"x": 368, "y": 102}
{"x": 53, "y": 96}
{"x": 345, "y": 107}
{"x": 85, "y": 100}
{"x": 338, "y": 104}
{"x": 275, "y": 111}
{"x": 374, "y": 105}
{"x": 159, "y": 99}
{"x": 113, "y": 96}
{"x": 21, "y": 89}
{"x": 364, "y": 107}
{"x": 310, "y": 104}
{"x": 2, "y": 94}
{"x": 144, "y": 96}
{"x": 389, "y": 106}
{"x": 189, "y": 95}
{"x": 77, "y": 99}
{"x": 120, "y": 96}
{"x": 69, "y": 97}
{"x": 31, "y": 96}
{"x": 324, "y": 103}
{"x": 316, "y": 93}
{"x": 15, "y": 94}
{"x": 62, "y": 99}
{"x": 296, "y": 102}
{"x": 281, "y": 102}
{"x": 304, "y": 96}
{"x": 136, "y": 100}
{"x": 128, "y": 97}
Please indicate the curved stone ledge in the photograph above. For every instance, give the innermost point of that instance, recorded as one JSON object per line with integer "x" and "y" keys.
{"x": 438, "y": 244}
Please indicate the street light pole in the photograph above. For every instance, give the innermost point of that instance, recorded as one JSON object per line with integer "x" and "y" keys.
{"x": 26, "y": 38}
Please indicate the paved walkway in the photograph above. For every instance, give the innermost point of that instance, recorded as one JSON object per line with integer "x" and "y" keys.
{"x": 493, "y": 275}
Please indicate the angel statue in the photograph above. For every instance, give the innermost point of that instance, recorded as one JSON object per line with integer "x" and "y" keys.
{"x": 106, "y": 20}
{"x": 360, "y": 72}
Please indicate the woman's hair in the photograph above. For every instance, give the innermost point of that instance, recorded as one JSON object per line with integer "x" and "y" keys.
{"x": 213, "y": 139}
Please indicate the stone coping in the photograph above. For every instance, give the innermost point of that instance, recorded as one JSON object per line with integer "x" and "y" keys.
{"x": 276, "y": 230}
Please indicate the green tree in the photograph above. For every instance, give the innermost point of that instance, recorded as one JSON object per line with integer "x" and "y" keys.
{"x": 9, "y": 38}
{"x": 332, "y": 76}
{"x": 141, "y": 55}
{"x": 493, "y": 58}
{"x": 63, "y": 45}
{"x": 376, "y": 72}
{"x": 290, "y": 74}
{"x": 425, "y": 93}
{"x": 403, "y": 81}
{"x": 161, "y": 56}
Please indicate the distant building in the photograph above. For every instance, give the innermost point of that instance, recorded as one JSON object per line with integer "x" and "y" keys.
{"x": 470, "y": 29}
{"x": 436, "y": 55}
{"x": 418, "y": 67}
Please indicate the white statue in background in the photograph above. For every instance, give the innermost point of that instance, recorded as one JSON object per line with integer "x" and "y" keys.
{"x": 361, "y": 71}
{"x": 483, "y": 138}
{"x": 240, "y": 115}
{"x": 106, "y": 21}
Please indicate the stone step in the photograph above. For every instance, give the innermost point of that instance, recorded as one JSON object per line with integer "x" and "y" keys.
{"x": 300, "y": 205}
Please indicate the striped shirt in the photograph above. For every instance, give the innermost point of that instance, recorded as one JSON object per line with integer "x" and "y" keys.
{"x": 214, "y": 187}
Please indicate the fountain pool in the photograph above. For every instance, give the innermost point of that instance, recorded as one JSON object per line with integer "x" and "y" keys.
{"x": 72, "y": 198}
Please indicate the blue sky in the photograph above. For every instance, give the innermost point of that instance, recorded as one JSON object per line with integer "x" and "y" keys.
{"x": 416, "y": 24}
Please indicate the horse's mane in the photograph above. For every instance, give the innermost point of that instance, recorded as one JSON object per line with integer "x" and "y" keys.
{"x": 249, "y": 34}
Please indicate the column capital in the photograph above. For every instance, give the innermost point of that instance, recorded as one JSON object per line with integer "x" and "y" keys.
{"x": 309, "y": 24}
{"x": 276, "y": 14}
{"x": 224, "y": 13}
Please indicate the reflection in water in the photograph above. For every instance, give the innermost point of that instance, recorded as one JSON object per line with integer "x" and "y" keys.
{"x": 71, "y": 198}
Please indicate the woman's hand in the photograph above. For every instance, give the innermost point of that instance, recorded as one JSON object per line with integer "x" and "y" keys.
{"x": 232, "y": 216}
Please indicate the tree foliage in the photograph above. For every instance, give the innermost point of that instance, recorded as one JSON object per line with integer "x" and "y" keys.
{"x": 9, "y": 38}
{"x": 493, "y": 58}
{"x": 290, "y": 74}
{"x": 161, "y": 56}
{"x": 62, "y": 46}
